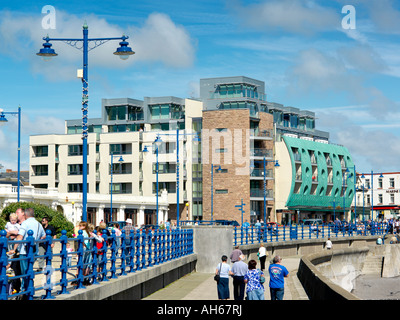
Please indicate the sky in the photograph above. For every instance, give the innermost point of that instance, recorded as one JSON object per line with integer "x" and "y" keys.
{"x": 338, "y": 58}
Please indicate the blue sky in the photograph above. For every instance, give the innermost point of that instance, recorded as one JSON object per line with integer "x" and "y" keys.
{"x": 299, "y": 48}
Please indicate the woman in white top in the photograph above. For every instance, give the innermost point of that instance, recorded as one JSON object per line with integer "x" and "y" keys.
{"x": 262, "y": 255}
{"x": 224, "y": 271}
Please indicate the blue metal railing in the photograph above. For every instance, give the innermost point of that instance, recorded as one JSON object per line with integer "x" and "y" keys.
{"x": 98, "y": 261}
{"x": 254, "y": 234}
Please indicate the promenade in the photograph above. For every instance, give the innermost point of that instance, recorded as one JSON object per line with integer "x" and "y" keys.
{"x": 201, "y": 286}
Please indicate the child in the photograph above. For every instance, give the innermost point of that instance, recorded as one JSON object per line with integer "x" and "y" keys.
{"x": 12, "y": 225}
{"x": 69, "y": 257}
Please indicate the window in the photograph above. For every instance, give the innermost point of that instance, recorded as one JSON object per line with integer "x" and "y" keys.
{"x": 169, "y": 186}
{"x": 367, "y": 184}
{"x": 121, "y": 188}
{"x": 120, "y": 149}
{"x": 380, "y": 183}
{"x": 41, "y": 151}
{"x": 76, "y": 150}
{"x": 221, "y": 150}
{"x": 380, "y": 198}
{"x": 392, "y": 198}
{"x": 75, "y": 187}
{"x": 391, "y": 182}
{"x": 116, "y": 113}
{"x": 75, "y": 169}
{"x": 40, "y": 170}
{"x": 221, "y": 191}
{"x": 164, "y": 167}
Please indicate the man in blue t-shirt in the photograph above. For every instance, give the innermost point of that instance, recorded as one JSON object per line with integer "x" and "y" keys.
{"x": 277, "y": 275}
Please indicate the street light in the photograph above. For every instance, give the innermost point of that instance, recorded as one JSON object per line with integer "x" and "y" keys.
{"x": 372, "y": 192}
{"x": 3, "y": 121}
{"x": 157, "y": 142}
{"x": 196, "y": 141}
{"x": 47, "y": 52}
{"x": 111, "y": 186}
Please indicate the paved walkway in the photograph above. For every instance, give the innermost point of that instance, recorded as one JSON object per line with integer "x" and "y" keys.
{"x": 201, "y": 286}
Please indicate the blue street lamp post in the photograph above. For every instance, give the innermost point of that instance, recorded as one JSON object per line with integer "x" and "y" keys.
{"x": 157, "y": 143}
{"x": 196, "y": 140}
{"x": 47, "y": 52}
{"x": 4, "y": 120}
{"x": 265, "y": 185}
{"x": 111, "y": 185}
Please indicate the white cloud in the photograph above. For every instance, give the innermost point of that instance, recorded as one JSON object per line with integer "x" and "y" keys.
{"x": 158, "y": 40}
{"x": 376, "y": 149}
{"x": 299, "y": 17}
{"x": 320, "y": 74}
{"x": 162, "y": 40}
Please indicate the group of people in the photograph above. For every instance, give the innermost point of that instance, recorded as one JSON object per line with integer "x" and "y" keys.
{"x": 17, "y": 229}
{"x": 249, "y": 280}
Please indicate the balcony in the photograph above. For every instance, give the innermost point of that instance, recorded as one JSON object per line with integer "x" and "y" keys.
{"x": 259, "y": 193}
{"x": 259, "y": 173}
{"x": 261, "y": 153}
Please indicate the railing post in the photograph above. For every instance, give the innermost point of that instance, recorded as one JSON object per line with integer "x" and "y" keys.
{"x": 157, "y": 246}
{"x": 30, "y": 288}
{"x": 163, "y": 245}
{"x": 3, "y": 264}
{"x": 49, "y": 268}
{"x": 137, "y": 253}
{"x": 123, "y": 254}
{"x": 168, "y": 241}
{"x": 143, "y": 249}
{"x": 104, "y": 270}
{"x": 80, "y": 260}
{"x": 64, "y": 264}
{"x": 113, "y": 255}
{"x": 95, "y": 260}
{"x": 149, "y": 248}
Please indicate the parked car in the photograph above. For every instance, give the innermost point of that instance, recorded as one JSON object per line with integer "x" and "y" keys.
{"x": 308, "y": 222}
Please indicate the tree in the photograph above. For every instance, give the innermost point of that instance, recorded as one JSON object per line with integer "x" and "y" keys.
{"x": 56, "y": 219}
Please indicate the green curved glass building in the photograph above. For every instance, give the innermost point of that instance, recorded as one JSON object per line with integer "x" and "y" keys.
{"x": 315, "y": 179}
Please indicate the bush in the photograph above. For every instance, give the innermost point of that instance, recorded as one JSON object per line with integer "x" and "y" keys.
{"x": 56, "y": 219}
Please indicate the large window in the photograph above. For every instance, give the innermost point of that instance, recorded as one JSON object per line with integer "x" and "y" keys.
{"x": 166, "y": 111}
{"x": 76, "y": 150}
{"x": 116, "y": 113}
{"x": 121, "y": 148}
{"x": 41, "y": 151}
{"x": 40, "y": 170}
{"x": 169, "y": 186}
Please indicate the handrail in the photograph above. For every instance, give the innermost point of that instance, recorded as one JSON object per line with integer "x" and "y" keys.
{"x": 115, "y": 256}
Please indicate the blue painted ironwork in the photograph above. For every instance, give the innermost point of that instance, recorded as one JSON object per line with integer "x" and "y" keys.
{"x": 249, "y": 235}
{"x": 137, "y": 250}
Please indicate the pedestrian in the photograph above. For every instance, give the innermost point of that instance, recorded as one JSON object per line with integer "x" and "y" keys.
{"x": 254, "y": 279}
{"x": 118, "y": 233}
{"x": 70, "y": 254}
{"x": 262, "y": 255}
{"x": 224, "y": 271}
{"x": 38, "y": 233}
{"x": 277, "y": 275}
{"x": 42, "y": 245}
{"x": 15, "y": 264}
{"x": 239, "y": 270}
{"x": 328, "y": 244}
{"x": 12, "y": 228}
{"x": 235, "y": 254}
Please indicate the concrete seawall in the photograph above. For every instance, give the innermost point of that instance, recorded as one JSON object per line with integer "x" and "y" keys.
{"x": 328, "y": 275}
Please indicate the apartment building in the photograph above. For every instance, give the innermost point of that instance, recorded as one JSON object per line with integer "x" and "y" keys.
{"x": 127, "y": 126}
{"x": 238, "y": 130}
{"x": 317, "y": 182}
{"x": 378, "y": 195}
